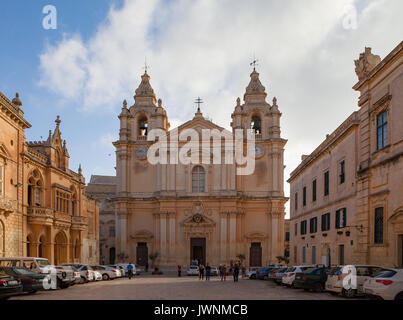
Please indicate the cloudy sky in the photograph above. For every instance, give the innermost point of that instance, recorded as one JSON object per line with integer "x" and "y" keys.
{"x": 85, "y": 68}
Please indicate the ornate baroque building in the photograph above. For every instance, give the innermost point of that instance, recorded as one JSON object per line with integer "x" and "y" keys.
{"x": 44, "y": 211}
{"x": 347, "y": 195}
{"x": 199, "y": 211}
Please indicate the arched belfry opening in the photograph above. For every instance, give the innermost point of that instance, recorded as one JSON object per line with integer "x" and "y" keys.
{"x": 256, "y": 124}
{"x": 143, "y": 126}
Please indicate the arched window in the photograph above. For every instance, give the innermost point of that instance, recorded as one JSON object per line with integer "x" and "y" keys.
{"x": 198, "y": 179}
{"x": 143, "y": 126}
{"x": 256, "y": 124}
{"x": 73, "y": 202}
{"x": 35, "y": 187}
{"x": 40, "y": 246}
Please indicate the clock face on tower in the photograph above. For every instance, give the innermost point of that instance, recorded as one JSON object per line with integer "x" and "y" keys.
{"x": 141, "y": 152}
{"x": 258, "y": 151}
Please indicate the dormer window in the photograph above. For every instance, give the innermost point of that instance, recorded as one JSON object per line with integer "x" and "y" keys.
{"x": 255, "y": 125}
{"x": 143, "y": 127}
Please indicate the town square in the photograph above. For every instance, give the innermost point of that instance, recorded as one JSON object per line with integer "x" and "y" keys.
{"x": 201, "y": 150}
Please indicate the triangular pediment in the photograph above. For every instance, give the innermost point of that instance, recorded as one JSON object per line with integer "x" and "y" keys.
{"x": 199, "y": 220}
{"x": 200, "y": 124}
{"x": 4, "y": 153}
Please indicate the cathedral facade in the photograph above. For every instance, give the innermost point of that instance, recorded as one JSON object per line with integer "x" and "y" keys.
{"x": 181, "y": 212}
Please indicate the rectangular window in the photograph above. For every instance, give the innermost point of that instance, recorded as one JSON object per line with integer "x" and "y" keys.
{"x": 303, "y": 227}
{"x": 341, "y": 254}
{"x": 1, "y": 179}
{"x": 304, "y": 196}
{"x": 342, "y": 172}
{"x": 296, "y": 229}
{"x": 378, "y": 226}
{"x": 326, "y": 183}
{"x": 303, "y": 255}
{"x": 314, "y": 190}
{"x": 296, "y": 201}
{"x": 313, "y": 225}
{"x": 341, "y": 218}
{"x": 326, "y": 221}
{"x": 112, "y": 231}
{"x": 382, "y": 130}
{"x": 313, "y": 254}
{"x": 287, "y": 236}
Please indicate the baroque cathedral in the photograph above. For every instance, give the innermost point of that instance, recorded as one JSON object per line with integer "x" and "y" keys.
{"x": 204, "y": 212}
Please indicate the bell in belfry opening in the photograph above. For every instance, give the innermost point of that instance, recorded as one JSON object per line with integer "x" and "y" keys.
{"x": 143, "y": 127}
{"x": 256, "y": 124}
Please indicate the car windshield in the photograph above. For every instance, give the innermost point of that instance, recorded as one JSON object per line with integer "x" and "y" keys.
{"x": 23, "y": 271}
{"x": 335, "y": 271}
{"x": 193, "y": 267}
{"x": 43, "y": 262}
{"x": 386, "y": 274}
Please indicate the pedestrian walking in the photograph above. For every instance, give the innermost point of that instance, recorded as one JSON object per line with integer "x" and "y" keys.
{"x": 243, "y": 272}
{"x": 130, "y": 270}
{"x": 146, "y": 266}
{"x": 179, "y": 270}
{"x": 208, "y": 272}
{"x": 201, "y": 272}
{"x": 236, "y": 273}
{"x": 223, "y": 273}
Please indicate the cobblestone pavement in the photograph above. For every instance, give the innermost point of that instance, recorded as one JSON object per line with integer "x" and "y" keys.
{"x": 170, "y": 287}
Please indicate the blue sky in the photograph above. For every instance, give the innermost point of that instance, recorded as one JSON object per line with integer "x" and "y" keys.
{"x": 85, "y": 68}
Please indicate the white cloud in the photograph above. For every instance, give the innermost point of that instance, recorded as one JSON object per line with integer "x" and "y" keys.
{"x": 203, "y": 48}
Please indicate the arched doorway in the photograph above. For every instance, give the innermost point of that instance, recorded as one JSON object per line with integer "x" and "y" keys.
{"x": 60, "y": 249}
{"x": 40, "y": 247}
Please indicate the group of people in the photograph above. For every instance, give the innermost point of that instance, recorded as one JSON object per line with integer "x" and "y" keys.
{"x": 206, "y": 271}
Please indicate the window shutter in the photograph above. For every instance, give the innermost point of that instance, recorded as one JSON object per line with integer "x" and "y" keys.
{"x": 344, "y": 217}
{"x": 337, "y": 219}
{"x": 328, "y": 221}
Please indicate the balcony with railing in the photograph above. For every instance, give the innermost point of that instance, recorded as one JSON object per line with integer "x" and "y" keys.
{"x": 40, "y": 215}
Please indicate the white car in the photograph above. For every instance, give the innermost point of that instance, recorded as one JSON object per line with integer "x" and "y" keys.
{"x": 289, "y": 277}
{"x": 86, "y": 272}
{"x": 388, "y": 285}
{"x": 108, "y": 273}
{"x": 334, "y": 283}
{"x": 192, "y": 271}
{"x": 98, "y": 275}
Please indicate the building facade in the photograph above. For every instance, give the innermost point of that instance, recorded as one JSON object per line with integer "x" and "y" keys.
{"x": 44, "y": 211}
{"x": 347, "y": 195}
{"x": 103, "y": 188}
{"x": 198, "y": 211}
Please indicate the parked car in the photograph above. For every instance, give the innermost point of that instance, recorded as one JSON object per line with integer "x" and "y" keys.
{"x": 139, "y": 269}
{"x": 214, "y": 271}
{"x": 334, "y": 283}
{"x": 122, "y": 268}
{"x": 31, "y": 281}
{"x": 39, "y": 265}
{"x": 65, "y": 276}
{"x": 97, "y": 275}
{"x": 77, "y": 275}
{"x": 289, "y": 276}
{"x": 278, "y": 275}
{"x": 251, "y": 274}
{"x": 263, "y": 274}
{"x": 9, "y": 286}
{"x": 86, "y": 272}
{"x": 192, "y": 271}
{"x": 312, "y": 279}
{"x": 388, "y": 285}
{"x": 108, "y": 273}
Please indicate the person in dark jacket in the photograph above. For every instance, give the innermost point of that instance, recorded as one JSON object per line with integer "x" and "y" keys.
{"x": 236, "y": 272}
{"x": 208, "y": 272}
{"x": 179, "y": 270}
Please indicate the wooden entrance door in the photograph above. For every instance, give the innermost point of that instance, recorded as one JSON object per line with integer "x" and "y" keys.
{"x": 141, "y": 253}
{"x": 198, "y": 250}
{"x": 255, "y": 254}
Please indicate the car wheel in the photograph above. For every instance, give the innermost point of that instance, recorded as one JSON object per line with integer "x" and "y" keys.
{"x": 349, "y": 293}
{"x": 399, "y": 296}
{"x": 318, "y": 287}
{"x": 253, "y": 276}
{"x": 293, "y": 285}
{"x": 105, "y": 277}
{"x": 32, "y": 292}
